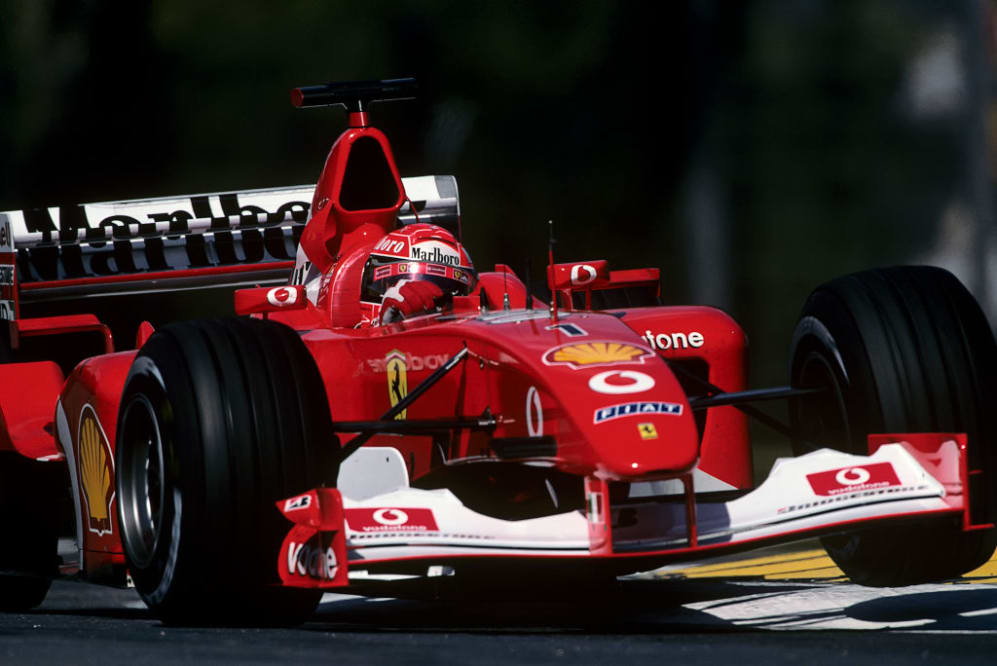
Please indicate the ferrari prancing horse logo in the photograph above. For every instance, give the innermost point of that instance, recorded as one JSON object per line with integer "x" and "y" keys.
{"x": 394, "y": 365}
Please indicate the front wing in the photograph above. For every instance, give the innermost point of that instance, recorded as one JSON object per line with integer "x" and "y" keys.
{"x": 920, "y": 476}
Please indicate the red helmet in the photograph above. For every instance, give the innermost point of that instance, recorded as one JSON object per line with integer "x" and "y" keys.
{"x": 417, "y": 252}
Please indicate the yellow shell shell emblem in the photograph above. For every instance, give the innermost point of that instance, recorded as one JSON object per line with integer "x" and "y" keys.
{"x": 589, "y": 354}
{"x": 96, "y": 472}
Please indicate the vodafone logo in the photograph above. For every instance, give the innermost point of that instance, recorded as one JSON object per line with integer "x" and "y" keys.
{"x": 854, "y": 479}
{"x": 534, "y": 413}
{"x": 391, "y": 520}
{"x": 282, "y": 296}
{"x": 852, "y": 476}
{"x": 621, "y": 382}
{"x": 390, "y": 516}
{"x": 582, "y": 274}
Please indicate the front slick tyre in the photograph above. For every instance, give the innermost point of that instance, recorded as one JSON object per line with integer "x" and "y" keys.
{"x": 218, "y": 421}
{"x": 897, "y": 350}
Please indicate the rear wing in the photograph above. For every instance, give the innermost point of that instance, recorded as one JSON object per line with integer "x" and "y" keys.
{"x": 171, "y": 244}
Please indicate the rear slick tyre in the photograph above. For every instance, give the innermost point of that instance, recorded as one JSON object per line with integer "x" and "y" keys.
{"x": 218, "y": 421}
{"x": 903, "y": 349}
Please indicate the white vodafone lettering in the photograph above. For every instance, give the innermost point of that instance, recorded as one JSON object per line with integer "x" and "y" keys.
{"x": 304, "y": 560}
{"x": 638, "y": 382}
{"x": 416, "y": 363}
{"x": 331, "y": 565}
{"x": 391, "y": 516}
{"x": 281, "y": 296}
{"x": 579, "y": 280}
{"x": 852, "y": 476}
{"x": 313, "y": 558}
{"x": 665, "y": 341}
{"x": 534, "y": 413}
{"x": 293, "y": 553}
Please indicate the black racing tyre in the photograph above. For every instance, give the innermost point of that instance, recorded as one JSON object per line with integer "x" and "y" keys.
{"x": 29, "y": 515}
{"x": 28, "y": 555}
{"x": 218, "y": 421}
{"x": 904, "y": 349}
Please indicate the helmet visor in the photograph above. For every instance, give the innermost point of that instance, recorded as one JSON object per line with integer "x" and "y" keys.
{"x": 382, "y": 273}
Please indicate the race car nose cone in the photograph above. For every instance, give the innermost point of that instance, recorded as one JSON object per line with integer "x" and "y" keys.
{"x": 634, "y": 421}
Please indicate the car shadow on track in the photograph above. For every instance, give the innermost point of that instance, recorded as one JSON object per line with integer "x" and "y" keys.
{"x": 626, "y": 607}
{"x": 647, "y": 606}
{"x": 73, "y": 598}
{"x": 661, "y": 606}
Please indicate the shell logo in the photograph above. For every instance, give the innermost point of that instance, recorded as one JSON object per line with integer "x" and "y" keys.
{"x": 96, "y": 472}
{"x": 591, "y": 354}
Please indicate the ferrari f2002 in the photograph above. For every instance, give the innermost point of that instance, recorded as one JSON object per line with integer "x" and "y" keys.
{"x": 380, "y": 407}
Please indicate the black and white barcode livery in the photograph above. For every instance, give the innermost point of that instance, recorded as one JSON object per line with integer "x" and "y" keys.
{"x": 6, "y": 269}
{"x": 222, "y": 239}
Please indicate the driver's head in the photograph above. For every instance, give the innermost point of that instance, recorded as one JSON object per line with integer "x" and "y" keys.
{"x": 417, "y": 252}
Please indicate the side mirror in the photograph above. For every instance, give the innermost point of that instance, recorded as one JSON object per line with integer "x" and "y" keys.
{"x": 270, "y": 299}
{"x": 579, "y": 275}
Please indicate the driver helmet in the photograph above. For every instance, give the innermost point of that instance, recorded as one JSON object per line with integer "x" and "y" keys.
{"x": 417, "y": 252}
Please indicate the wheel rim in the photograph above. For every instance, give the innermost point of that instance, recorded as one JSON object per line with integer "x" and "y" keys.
{"x": 142, "y": 481}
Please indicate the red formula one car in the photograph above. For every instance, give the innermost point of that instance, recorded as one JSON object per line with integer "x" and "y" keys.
{"x": 390, "y": 411}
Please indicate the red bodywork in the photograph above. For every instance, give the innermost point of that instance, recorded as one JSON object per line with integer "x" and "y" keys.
{"x": 513, "y": 357}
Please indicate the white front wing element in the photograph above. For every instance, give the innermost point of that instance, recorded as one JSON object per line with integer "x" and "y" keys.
{"x": 419, "y": 523}
{"x": 812, "y": 492}
{"x": 372, "y": 471}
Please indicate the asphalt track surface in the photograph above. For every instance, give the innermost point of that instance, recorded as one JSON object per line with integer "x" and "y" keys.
{"x": 780, "y": 607}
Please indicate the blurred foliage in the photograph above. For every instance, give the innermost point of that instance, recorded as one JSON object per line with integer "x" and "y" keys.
{"x": 587, "y": 112}
{"x": 579, "y": 111}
